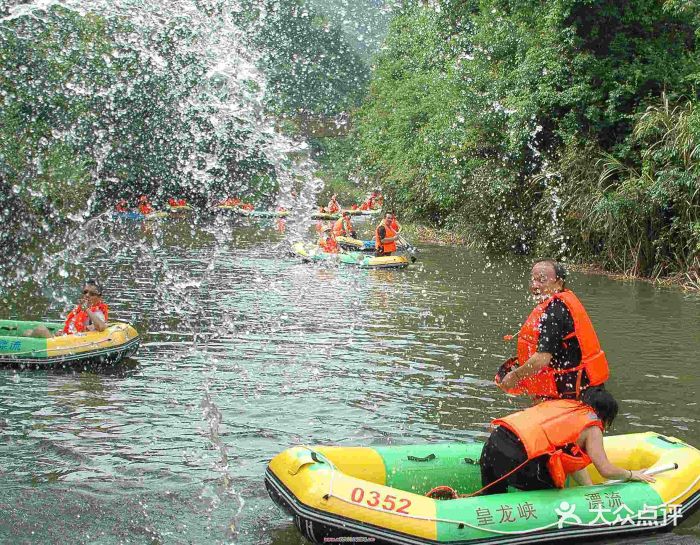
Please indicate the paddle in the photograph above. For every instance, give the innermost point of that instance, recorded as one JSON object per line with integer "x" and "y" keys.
{"x": 411, "y": 249}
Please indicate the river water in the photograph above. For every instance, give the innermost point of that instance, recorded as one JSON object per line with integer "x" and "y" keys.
{"x": 247, "y": 352}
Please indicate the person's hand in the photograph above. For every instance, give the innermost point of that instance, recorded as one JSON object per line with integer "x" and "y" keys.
{"x": 641, "y": 477}
{"x": 509, "y": 382}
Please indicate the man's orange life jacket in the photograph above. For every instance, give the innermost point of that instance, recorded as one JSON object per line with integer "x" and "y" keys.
{"x": 369, "y": 204}
{"x": 593, "y": 359}
{"x": 342, "y": 227}
{"x": 78, "y": 317}
{"x": 333, "y": 207}
{"x": 121, "y": 206}
{"x": 329, "y": 245}
{"x": 386, "y": 247}
{"x": 549, "y": 428}
{"x": 145, "y": 208}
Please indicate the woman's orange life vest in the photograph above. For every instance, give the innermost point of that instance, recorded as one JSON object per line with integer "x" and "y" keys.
{"x": 122, "y": 206}
{"x": 593, "y": 359}
{"x": 549, "y": 428}
{"x": 386, "y": 247}
{"x": 145, "y": 208}
{"x": 247, "y": 206}
{"x": 78, "y": 317}
{"x": 329, "y": 245}
{"x": 342, "y": 227}
{"x": 333, "y": 207}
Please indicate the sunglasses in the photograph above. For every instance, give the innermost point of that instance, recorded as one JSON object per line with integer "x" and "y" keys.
{"x": 90, "y": 292}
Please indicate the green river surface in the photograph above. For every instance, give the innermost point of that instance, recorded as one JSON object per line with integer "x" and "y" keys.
{"x": 247, "y": 351}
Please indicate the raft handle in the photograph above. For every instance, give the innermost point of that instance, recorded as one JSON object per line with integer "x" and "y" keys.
{"x": 666, "y": 439}
{"x": 315, "y": 457}
{"x": 427, "y": 458}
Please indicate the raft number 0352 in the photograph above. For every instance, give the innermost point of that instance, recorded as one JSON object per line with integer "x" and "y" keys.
{"x": 373, "y": 498}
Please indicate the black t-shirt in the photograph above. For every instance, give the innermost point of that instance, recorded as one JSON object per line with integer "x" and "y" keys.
{"x": 556, "y": 324}
{"x": 382, "y": 233}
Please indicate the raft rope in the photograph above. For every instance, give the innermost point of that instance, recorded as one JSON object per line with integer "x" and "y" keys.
{"x": 65, "y": 348}
{"x": 462, "y": 523}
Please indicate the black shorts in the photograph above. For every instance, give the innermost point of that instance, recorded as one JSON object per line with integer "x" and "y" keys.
{"x": 502, "y": 453}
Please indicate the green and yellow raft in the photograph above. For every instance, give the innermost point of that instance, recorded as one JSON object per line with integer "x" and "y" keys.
{"x": 180, "y": 209}
{"x": 379, "y": 493}
{"x": 324, "y": 216}
{"x": 311, "y": 252}
{"x": 138, "y": 216}
{"x": 118, "y": 341}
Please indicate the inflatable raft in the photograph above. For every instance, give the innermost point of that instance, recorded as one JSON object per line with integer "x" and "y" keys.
{"x": 350, "y": 243}
{"x": 120, "y": 340}
{"x": 311, "y": 252}
{"x": 379, "y": 494}
{"x": 324, "y": 216}
{"x": 138, "y": 216}
{"x": 180, "y": 209}
{"x": 368, "y": 261}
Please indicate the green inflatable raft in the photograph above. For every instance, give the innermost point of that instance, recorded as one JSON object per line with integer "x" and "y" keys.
{"x": 118, "y": 341}
{"x": 378, "y": 494}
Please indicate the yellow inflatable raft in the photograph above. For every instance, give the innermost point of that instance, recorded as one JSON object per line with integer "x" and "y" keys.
{"x": 118, "y": 341}
{"x": 379, "y": 494}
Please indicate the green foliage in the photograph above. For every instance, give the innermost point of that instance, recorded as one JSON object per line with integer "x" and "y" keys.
{"x": 91, "y": 111}
{"x": 336, "y": 167}
{"x": 541, "y": 126}
{"x": 309, "y": 65}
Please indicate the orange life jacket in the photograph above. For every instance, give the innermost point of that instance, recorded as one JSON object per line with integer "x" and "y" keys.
{"x": 386, "y": 247}
{"x": 247, "y": 206}
{"x": 78, "y": 317}
{"x": 395, "y": 225}
{"x": 593, "y": 359}
{"x": 342, "y": 227}
{"x": 145, "y": 208}
{"x": 121, "y": 206}
{"x": 549, "y": 428}
{"x": 329, "y": 245}
{"x": 333, "y": 207}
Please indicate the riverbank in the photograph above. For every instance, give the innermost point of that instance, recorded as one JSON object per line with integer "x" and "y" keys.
{"x": 417, "y": 233}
